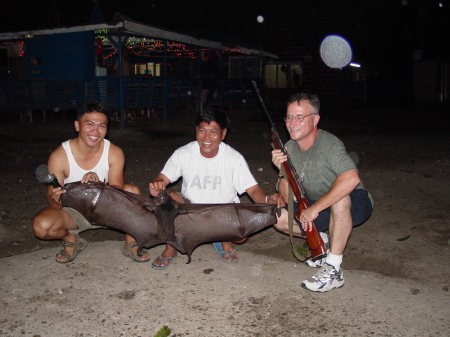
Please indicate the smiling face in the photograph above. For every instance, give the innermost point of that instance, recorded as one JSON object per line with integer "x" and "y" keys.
{"x": 209, "y": 137}
{"x": 92, "y": 128}
{"x": 299, "y": 131}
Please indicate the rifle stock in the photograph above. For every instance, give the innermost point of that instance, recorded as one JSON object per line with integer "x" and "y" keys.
{"x": 313, "y": 238}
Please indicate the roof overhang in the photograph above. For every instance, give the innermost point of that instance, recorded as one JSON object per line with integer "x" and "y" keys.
{"x": 131, "y": 27}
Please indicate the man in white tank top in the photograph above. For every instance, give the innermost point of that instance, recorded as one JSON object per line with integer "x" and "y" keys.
{"x": 88, "y": 157}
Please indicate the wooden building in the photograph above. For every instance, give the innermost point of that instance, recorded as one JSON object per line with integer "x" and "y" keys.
{"x": 58, "y": 69}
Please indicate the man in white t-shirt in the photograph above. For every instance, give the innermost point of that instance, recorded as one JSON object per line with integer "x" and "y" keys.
{"x": 212, "y": 172}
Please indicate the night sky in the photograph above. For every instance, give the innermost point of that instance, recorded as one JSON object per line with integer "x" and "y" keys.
{"x": 373, "y": 25}
{"x": 380, "y": 31}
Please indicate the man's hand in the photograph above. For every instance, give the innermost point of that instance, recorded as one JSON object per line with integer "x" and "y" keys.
{"x": 156, "y": 186}
{"x": 56, "y": 194}
{"x": 54, "y": 197}
{"x": 278, "y": 158}
{"x": 90, "y": 176}
{"x": 277, "y": 199}
{"x": 307, "y": 217}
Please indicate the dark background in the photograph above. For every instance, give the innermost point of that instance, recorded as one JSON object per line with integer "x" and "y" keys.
{"x": 387, "y": 36}
{"x": 378, "y": 30}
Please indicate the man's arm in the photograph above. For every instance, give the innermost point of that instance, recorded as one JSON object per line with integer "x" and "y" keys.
{"x": 283, "y": 188}
{"x": 159, "y": 183}
{"x": 344, "y": 184}
{"x": 278, "y": 158}
{"x": 116, "y": 164}
{"x": 57, "y": 165}
{"x": 260, "y": 196}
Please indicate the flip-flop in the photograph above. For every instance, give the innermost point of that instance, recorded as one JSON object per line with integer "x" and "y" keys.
{"x": 170, "y": 258}
{"x": 77, "y": 246}
{"x": 219, "y": 249}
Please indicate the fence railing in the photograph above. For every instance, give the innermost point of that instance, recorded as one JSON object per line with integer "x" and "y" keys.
{"x": 116, "y": 92}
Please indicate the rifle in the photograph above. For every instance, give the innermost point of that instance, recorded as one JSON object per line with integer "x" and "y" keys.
{"x": 313, "y": 238}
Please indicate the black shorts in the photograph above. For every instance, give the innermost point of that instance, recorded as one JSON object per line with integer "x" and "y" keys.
{"x": 361, "y": 210}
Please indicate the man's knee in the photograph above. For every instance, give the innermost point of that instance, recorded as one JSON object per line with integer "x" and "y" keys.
{"x": 49, "y": 221}
{"x": 281, "y": 227}
{"x": 282, "y": 222}
{"x": 342, "y": 206}
{"x": 132, "y": 188}
{"x": 41, "y": 226}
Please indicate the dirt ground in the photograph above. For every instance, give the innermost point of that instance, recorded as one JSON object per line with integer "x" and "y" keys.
{"x": 396, "y": 265}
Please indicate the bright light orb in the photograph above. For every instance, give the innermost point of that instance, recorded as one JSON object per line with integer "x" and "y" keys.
{"x": 335, "y": 51}
{"x": 260, "y": 19}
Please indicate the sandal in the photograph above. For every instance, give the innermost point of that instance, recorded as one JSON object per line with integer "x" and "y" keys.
{"x": 218, "y": 247}
{"x": 169, "y": 258}
{"x": 78, "y": 247}
{"x": 126, "y": 251}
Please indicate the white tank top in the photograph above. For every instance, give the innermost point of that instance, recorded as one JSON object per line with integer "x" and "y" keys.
{"x": 76, "y": 172}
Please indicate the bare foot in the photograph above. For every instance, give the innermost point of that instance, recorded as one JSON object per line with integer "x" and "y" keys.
{"x": 228, "y": 247}
{"x": 168, "y": 252}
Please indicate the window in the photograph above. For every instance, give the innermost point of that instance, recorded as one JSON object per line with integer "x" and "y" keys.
{"x": 245, "y": 67}
{"x": 284, "y": 75}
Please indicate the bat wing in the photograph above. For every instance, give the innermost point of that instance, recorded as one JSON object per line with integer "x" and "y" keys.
{"x": 107, "y": 206}
{"x": 104, "y": 205}
{"x": 220, "y": 223}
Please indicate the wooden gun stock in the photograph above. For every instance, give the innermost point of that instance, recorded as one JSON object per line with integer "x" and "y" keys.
{"x": 313, "y": 238}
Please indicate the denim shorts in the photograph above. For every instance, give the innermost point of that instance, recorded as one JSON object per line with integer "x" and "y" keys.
{"x": 361, "y": 210}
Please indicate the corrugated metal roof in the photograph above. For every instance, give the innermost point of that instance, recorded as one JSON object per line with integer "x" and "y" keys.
{"x": 127, "y": 26}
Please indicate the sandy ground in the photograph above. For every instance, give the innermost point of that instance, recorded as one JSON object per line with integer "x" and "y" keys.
{"x": 393, "y": 288}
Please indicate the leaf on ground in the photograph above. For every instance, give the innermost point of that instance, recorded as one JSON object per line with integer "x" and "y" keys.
{"x": 405, "y": 238}
{"x": 163, "y": 332}
{"x": 302, "y": 250}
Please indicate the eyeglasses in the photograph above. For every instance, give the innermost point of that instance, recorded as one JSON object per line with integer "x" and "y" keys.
{"x": 298, "y": 118}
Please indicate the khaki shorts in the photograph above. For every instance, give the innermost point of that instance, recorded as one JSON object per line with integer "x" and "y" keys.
{"x": 83, "y": 224}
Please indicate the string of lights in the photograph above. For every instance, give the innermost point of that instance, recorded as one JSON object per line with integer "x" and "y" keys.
{"x": 139, "y": 45}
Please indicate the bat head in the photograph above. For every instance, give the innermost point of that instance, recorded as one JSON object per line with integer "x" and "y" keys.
{"x": 163, "y": 198}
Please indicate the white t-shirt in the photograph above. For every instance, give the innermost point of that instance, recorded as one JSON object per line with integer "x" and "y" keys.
{"x": 76, "y": 172}
{"x": 209, "y": 180}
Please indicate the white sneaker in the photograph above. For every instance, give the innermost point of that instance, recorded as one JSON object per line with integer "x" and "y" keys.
{"x": 319, "y": 263}
{"x": 327, "y": 278}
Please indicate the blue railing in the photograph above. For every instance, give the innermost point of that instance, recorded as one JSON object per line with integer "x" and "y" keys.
{"x": 116, "y": 92}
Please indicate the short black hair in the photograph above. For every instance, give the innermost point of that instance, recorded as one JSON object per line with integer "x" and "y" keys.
{"x": 88, "y": 107}
{"x": 312, "y": 99}
{"x": 213, "y": 115}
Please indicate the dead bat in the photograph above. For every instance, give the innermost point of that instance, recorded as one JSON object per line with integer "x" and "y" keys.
{"x": 162, "y": 220}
